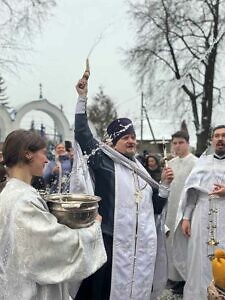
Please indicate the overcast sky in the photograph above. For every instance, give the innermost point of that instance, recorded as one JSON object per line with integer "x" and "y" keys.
{"x": 58, "y": 61}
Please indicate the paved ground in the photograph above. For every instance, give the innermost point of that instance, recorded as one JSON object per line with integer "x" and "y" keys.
{"x": 167, "y": 295}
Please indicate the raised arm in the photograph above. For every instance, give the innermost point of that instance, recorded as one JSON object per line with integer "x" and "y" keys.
{"x": 83, "y": 134}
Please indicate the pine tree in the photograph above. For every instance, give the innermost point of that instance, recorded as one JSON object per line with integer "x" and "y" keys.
{"x": 101, "y": 112}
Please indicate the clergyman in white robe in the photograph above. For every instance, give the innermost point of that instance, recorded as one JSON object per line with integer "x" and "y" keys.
{"x": 191, "y": 256}
{"x": 138, "y": 259}
{"x": 181, "y": 167}
{"x": 39, "y": 257}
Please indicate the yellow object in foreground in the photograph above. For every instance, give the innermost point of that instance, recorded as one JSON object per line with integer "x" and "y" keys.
{"x": 218, "y": 268}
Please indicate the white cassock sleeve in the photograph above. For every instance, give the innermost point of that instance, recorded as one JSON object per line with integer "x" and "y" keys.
{"x": 49, "y": 252}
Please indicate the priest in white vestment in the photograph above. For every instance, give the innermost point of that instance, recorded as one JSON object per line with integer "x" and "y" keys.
{"x": 135, "y": 253}
{"x": 201, "y": 220}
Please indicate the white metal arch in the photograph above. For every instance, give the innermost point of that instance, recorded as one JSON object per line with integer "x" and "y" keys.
{"x": 5, "y": 123}
{"x": 60, "y": 120}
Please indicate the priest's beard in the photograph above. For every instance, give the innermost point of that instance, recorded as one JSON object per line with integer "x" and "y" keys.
{"x": 220, "y": 152}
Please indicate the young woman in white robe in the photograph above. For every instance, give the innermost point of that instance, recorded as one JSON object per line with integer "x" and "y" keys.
{"x": 38, "y": 256}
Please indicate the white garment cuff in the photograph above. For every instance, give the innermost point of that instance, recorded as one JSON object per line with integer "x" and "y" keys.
{"x": 164, "y": 190}
{"x": 81, "y": 105}
{"x": 188, "y": 212}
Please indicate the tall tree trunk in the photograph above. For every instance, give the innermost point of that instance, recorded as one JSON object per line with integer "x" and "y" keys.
{"x": 207, "y": 99}
{"x": 207, "y": 104}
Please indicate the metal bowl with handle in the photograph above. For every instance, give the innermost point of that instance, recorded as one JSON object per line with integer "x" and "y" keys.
{"x": 73, "y": 210}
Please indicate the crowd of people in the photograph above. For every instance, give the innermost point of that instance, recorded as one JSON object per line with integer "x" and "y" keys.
{"x": 158, "y": 225}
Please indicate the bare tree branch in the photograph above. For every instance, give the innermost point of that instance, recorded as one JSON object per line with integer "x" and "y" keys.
{"x": 179, "y": 39}
{"x": 19, "y": 20}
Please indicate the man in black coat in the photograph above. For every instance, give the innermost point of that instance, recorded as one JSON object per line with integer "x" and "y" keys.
{"x": 103, "y": 167}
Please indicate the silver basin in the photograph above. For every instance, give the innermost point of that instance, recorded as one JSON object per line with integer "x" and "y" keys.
{"x": 73, "y": 210}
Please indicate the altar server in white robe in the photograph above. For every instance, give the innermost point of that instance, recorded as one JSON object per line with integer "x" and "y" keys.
{"x": 181, "y": 165}
{"x": 201, "y": 220}
{"x": 38, "y": 256}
